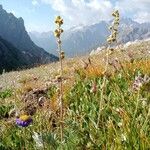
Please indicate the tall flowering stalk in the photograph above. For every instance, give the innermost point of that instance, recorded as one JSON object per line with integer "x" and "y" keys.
{"x": 114, "y": 32}
{"x": 57, "y": 33}
{"x": 111, "y": 39}
{"x": 114, "y": 28}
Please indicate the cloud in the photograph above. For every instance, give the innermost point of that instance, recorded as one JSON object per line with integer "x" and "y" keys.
{"x": 88, "y": 12}
{"x": 35, "y": 2}
{"x": 82, "y": 11}
{"x": 138, "y": 9}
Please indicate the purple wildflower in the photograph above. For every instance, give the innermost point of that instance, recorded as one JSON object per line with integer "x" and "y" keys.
{"x": 139, "y": 82}
{"x": 24, "y": 121}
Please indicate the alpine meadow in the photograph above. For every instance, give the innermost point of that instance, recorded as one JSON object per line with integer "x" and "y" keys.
{"x": 92, "y": 93}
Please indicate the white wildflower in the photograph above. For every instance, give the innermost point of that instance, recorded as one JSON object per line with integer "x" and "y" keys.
{"x": 123, "y": 137}
{"x": 144, "y": 103}
{"x": 120, "y": 124}
{"x": 38, "y": 140}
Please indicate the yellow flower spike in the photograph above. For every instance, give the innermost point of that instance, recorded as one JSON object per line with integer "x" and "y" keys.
{"x": 115, "y": 27}
{"x": 24, "y": 117}
{"x": 114, "y": 39}
{"x": 117, "y": 16}
{"x": 116, "y": 23}
{"x": 109, "y": 40}
{"x": 62, "y": 56}
{"x": 110, "y": 28}
{"x": 114, "y": 33}
{"x": 59, "y": 20}
{"x": 61, "y": 30}
{"x": 110, "y": 37}
{"x": 117, "y": 19}
{"x": 115, "y": 13}
{"x": 62, "y": 52}
{"x": 56, "y": 21}
{"x": 57, "y": 33}
{"x": 58, "y": 41}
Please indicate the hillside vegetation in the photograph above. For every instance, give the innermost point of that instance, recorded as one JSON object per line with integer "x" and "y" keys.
{"x": 102, "y": 110}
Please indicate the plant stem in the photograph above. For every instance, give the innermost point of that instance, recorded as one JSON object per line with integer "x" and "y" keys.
{"x": 136, "y": 108}
{"x": 146, "y": 120}
{"x": 107, "y": 59}
{"x": 61, "y": 90}
{"x": 101, "y": 101}
{"x": 103, "y": 86}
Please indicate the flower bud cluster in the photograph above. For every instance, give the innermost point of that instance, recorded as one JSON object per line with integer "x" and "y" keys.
{"x": 57, "y": 33}
{"x": 114, "y": 28}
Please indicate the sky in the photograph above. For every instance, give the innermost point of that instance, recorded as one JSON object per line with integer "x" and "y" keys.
{"x": 39, "y": 15}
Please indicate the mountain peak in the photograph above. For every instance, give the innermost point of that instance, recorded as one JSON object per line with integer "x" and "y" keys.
{"x": 20, "y": 19}
{"x": 12, "y": 29}
{"x": 82, "y": 39}
{"x": 1, "y": 7}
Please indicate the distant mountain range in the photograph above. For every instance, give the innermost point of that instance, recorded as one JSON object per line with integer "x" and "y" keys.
{"x": 16, "y": 47}
{"x": 82, "y": 39}
{"x": 76, "y": 41}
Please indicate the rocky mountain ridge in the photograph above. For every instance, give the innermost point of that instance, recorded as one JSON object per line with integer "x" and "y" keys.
{"x": 12, "y": 30}
{"x": 81, "y": 39}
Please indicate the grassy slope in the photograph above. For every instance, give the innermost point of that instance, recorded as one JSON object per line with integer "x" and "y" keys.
{"x": 45, "y": 72}
{"x": 101, "y": 112}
